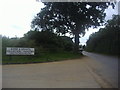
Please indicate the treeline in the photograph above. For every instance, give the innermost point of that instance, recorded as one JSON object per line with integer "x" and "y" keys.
{"x": 106, "y": 40}
{"x": 42, "y": 41}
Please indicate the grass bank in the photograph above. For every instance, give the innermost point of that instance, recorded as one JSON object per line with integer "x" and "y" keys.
{"x": 43, "y": 57}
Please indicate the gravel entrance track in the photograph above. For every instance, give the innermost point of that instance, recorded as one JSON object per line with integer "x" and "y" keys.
{"x": 62, "y": 74}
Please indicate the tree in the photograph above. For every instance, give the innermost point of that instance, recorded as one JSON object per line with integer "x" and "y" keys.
{"x": 106, "y": 40}
{"x": 70, "y": 17}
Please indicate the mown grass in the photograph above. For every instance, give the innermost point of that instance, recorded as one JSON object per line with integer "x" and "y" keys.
{"x": 42, "y": 57}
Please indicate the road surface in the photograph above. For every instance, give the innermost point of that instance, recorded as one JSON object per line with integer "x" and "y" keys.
{"x": 107, "y": 67}
{"x": 77, "y": 73}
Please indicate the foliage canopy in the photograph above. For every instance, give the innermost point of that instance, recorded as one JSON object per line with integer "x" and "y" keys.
{"x": 70, "y": 17}
{"x": 106, "y": 40}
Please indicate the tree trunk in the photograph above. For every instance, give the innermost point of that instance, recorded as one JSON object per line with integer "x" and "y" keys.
{"x": 76, "y": 47}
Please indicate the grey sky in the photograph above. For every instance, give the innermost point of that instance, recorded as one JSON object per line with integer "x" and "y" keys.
{"x": 16, "y": 17}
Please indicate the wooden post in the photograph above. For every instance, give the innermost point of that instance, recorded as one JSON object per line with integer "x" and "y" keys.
{"x": 10, "y": 57}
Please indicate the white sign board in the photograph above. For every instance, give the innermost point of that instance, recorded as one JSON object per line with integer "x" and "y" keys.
{"x": 19, "y": 51}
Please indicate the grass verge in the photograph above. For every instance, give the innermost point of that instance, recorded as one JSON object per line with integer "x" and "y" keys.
{"x": 42, "y": 57}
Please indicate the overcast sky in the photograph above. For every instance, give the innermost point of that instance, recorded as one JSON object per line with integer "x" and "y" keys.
{"x": 16, "y": 17}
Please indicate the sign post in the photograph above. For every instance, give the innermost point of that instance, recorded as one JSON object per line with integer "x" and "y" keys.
{"x": 19, "y": 51}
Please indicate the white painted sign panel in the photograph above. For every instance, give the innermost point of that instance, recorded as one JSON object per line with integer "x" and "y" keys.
{"x": 19, "y": 51}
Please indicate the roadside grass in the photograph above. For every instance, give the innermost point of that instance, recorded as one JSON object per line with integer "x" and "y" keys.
{"x": 40, "y": 58}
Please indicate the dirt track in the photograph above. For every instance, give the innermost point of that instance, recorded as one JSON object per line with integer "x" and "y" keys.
{"x": 63, "y": 74}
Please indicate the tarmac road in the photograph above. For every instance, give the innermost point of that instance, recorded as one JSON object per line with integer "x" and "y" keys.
{"x": 107, "y": 68}
{"x": 76, "y": 73}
